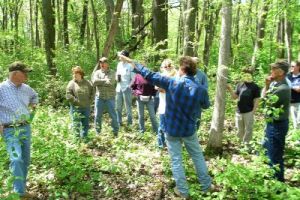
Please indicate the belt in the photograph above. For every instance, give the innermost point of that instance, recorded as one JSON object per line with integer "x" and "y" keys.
{"x": 14, "y": 125}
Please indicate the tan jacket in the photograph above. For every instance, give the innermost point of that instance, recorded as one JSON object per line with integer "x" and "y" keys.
{"x": 80, "y": 94}
{"x": 105, "y": 83}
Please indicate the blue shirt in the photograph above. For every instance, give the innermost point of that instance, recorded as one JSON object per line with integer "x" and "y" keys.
{"x": 201, "y": 78}
{"x": 184, "y": 98}
{"x": 14, "y": 102}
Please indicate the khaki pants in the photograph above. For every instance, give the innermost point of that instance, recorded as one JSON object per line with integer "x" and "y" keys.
{"x": 244, "y": 123}
{"x": 295, "y": 114}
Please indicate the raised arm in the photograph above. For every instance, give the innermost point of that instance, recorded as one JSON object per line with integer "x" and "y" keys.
{"x": 153, "y": 77}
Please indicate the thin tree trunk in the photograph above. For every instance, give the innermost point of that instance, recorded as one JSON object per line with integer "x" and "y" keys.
{"x": 288, "y": 38}
{"x": 260, "y": 32}
{"x": 180, "y": 33}
{"x": 189, "y": 16}
{"x": 209, "y": 35}
{"x": 96, "y": 30}
{"x": 60, "y": 33}
{"x": 88, "y": 34}
{"x": 84, "y": 20}
{"x": 113, "y": 28}
{"x": 280, "y": 38}
{"x": 31, "y": 23}
{"x": 200, "y": 26}
{"x": 217, "y": 125}
{"x": 37, "y": 33}
{"x": 237, "y": 23}
{"x": 65, "y": 24}
{"x": 49, "y": 34}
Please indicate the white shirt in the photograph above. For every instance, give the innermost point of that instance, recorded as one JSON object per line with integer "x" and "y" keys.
{"x": 14, "y": 102}
{"x": 125, "y": 70}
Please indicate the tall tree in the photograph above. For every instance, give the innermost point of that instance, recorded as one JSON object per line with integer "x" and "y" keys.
{"x": 210, "y": 27}
{"x": 200, "y": 25}
{"x": 288, "y": 38}
{"x": 84, "y": 20}
{"x": 37, "y": 33}
{"x": 95, "y": 20}
{"x": 237, "y": 22}
{"x": 160, "y": 25}
{"x": 280, "y": 38}
{"x": 49, "y": 34}
{"x": 137, "y": 15}
{"x": 190, "y": 9}
{"x": 217, "y": 124}
{"x": 260, "y": 31}
{"x": 31, "y": 22}
{"x": 109, "y": 4}
{"x": 65, "y": 24}
{"x": 113, "y": 28}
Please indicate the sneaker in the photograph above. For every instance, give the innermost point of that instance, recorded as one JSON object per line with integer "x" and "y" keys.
{"x": 211, "y": 189}
{"x": 179, "y": 194}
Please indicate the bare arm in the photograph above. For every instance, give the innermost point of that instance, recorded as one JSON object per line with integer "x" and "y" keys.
{"x": 232, "y": 93}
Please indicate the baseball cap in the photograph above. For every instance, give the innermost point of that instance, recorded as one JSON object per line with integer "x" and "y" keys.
{"x": 19, "y": 66}
{"x": 103, "y": 60}
{"x": 124, "y": 53}
{"x": 281, "y": 64}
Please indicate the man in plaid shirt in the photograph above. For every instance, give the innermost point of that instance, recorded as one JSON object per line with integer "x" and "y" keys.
{"x": 184, "y": 97}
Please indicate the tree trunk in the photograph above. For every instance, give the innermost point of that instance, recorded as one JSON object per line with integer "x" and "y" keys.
{"x": 180, "y": 33}
{"x": 96, "y": 30}
{"x": 137, "y": 15}
{"x": 237, "y": 23}
{"x": 49, "y": 34}
{"x": 113, "y": 28}
{"x": 65, "y": 24}
{"x": 59, "y": 25}
{"x": 31, "y": 23}
{"x": 84, "y": 20}
{"x": 280, "y": 38}
{"x": 16, "y": 12}
{"x": 288, "y": 38}
{"x": 37, "y": 33}
{"x": 190, "y": 9}
{"x": 209, "y": 34}
{"x": 201, "y": 23}
{"x": 217, "y": 125}
{"x": 109, "y": 4}
{"x": 260, "y": 32}
{"x": 160, "y": 26}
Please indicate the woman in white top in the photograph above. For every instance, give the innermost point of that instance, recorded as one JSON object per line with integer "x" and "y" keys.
{"x": 167, "y": 69}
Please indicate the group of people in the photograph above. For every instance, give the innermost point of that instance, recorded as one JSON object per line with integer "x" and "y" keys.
{"x": 183, "y": 94}
{"x": 284, "y": 84}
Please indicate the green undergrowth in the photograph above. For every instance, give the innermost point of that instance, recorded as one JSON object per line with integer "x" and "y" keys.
{"x": 132, "y": 167}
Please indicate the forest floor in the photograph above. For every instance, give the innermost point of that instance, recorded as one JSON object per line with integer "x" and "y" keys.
{"x": 131, "y": 166}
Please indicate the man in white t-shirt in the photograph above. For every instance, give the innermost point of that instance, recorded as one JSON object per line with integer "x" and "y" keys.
{"x": 124, "y": 77}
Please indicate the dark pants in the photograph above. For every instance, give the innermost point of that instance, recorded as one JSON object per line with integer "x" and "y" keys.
{"x": 274, "y": 143}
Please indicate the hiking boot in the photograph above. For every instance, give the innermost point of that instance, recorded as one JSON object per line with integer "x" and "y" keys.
{"x": 179, "y": 194}
{"x": 27, "y": 196}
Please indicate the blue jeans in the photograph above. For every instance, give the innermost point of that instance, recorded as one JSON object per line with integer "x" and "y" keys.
{"x": 198, "y": 119}
{"x": 150, "y": 106}
{"x": 161, "y": 131}
{"x": 274, "y": 143}
{"x": 100, "y": 105}
{"x": 80, "y": 120}
{"x": 156, "y": 102}
{"x": 18, "y": 147}
{"x": 125, "y": 96}
{"x": 194, "y": 149}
